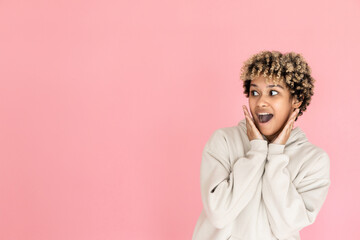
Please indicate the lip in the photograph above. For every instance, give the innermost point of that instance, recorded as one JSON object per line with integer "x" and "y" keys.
{"x": 257, "y": 112}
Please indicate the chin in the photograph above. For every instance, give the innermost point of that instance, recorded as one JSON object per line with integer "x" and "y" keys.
{"x": 267, "y": 133}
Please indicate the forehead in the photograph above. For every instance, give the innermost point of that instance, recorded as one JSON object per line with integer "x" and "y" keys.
{"x": 264, "y": 82}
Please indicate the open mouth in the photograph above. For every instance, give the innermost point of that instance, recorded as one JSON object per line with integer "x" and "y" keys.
{"x": 264, "y": 118}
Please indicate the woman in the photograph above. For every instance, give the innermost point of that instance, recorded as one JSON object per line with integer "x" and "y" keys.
{"x": 262, "y": 179}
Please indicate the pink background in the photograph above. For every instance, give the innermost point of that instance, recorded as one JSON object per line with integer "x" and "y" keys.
{"x": 106, "y": 107}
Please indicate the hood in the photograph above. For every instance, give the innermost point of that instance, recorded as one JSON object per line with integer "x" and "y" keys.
{"x": 297, "y": 135}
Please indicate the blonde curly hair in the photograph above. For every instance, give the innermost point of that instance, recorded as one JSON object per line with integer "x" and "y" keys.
{"x": 289, "y": 68}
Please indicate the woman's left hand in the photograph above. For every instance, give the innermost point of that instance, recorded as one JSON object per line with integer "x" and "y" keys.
{"x": 285, "y": 133}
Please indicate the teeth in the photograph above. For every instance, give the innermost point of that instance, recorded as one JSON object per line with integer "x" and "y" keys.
{"x": 264, "y": 113}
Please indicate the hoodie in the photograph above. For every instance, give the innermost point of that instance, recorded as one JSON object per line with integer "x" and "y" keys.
{"x": 255, "y": 190}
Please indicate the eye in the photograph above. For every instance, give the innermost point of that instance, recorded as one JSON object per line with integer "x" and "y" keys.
{"x": 252, "y": 92}
{"x": 274, "y": 91}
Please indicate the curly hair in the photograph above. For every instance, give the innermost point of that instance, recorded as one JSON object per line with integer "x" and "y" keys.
{"x": 289, "y": 68}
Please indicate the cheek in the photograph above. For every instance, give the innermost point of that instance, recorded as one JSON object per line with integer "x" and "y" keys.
{"x": 282, "y": 110}
{"x": 252, "y": 109}
{"x": 251, "y": 103}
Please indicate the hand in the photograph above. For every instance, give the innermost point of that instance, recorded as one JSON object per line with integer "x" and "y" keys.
{"x": 252, "y": 131}
{"x": 285, "y": 133}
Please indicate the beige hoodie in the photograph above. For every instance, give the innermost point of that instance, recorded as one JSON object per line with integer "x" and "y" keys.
{"x": 258, "y": 190}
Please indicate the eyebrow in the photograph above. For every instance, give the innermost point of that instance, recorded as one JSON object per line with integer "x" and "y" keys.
{"x": 268, "y": 86}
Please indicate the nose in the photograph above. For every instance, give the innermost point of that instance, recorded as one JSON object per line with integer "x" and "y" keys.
{"x": 262, "y": 101}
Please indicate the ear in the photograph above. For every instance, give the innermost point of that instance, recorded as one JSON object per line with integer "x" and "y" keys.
{"x": 296, "y": 103}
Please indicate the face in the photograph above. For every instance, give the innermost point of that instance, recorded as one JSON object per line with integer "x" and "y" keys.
{"x": 272, "y": 98}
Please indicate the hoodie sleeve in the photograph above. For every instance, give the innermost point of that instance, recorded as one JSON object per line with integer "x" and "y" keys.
{"x": 290, "y": 208}
{"x": 226, "y": 189}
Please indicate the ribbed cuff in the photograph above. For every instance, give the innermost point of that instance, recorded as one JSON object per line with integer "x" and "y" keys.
{"x": 259, "y": 145}
{"x": 276, "y": 148}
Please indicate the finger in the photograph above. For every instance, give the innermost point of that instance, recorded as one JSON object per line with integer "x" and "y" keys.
{"x": 250, "y": 121}
{"x": 248, "y": 125}
{"x": 248, "y": 114}
{"x": 287, "y": 125}
{"x": 293, "y": 115}
{"x": 244, "y": 109}
{"x": 252, "y": 127}
{"x": 245, "y": 114}
{"x": 296, "y": 112}
{"x": 287, "y": 129}
{"x": 291, "y": 125}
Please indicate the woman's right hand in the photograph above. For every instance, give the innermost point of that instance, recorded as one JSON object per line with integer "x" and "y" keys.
{"x": 252, "y": 131}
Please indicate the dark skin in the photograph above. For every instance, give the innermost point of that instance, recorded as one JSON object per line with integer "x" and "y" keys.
{"x": 254, "y": 133}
